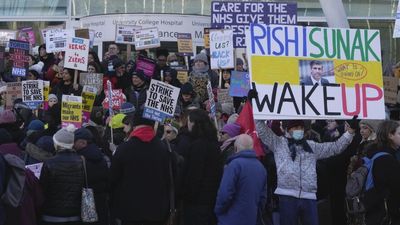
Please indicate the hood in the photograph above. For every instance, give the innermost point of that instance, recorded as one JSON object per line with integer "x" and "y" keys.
{"x": 37, "y": 153}
{"x": 91, "y": 153}
{"x": 10, "y": 148}
{"x": 145, "y": 133}
{"x": 242, "y": 154}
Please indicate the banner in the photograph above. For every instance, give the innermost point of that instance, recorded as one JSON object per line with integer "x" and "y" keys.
{"x": 88, "y": 97}
{"x": 237, "y": 16}
{"x": 147, "y": 38}
{"x": 56, "y": 39}
{"x": 32, "y": 93}
{"x": 76, "y": 53}
{"x": 315, "y": 72}
{"x": 182, "y": 76}
{"x": 221, "y": 49}
{"x": 19, "y": 55}
{"x": 46, "y": 92}
{"x": 125, "y": 34}
{"x": 390, "y": 88}
{"x": 28, "y": 35}
{"x": 92, "y": 79}
{"x": 161, "y": 101}
{"x": 13, "y": 91}
{"x": 118, "y": 98}
{"x": 147, "y": 65}
{"x": 71, "y": 111}
{"x": 185, "y": 44}
{"x": 240, "y": 84}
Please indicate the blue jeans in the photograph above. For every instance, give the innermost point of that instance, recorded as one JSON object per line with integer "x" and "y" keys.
{"x": 293, "y": 209}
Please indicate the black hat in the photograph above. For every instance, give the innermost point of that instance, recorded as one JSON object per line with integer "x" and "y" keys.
{"x": 187, "y": 88}
{"x": 294, "y": 123}
{"x": 117, "y": 63}
{"x": 84, "y": 134}
{"x": 162, "y": 52}
{"x": 139, "y": 120}
{"x": 140, "y": 74}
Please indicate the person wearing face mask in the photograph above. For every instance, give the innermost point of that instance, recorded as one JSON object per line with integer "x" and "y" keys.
{"x": 296, "y": 168}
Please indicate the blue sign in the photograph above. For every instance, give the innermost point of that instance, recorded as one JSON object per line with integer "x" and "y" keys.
{"x": 240, "y": 84}
{"x": 155, "y": 115}
{"x": 237, "y": 16}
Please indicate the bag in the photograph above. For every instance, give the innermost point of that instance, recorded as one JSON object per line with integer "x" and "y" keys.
{"x": 88, "y": 206}
{"x": 360, "y": 181}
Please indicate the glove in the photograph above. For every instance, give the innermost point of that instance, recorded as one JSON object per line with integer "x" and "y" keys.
{"x": 252, "y": 94}
{"x": 353, "y": 123}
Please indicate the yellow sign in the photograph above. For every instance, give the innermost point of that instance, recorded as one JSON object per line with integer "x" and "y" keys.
{"x": 71, "y": 110}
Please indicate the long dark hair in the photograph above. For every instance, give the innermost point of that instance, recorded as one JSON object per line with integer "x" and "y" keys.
{"x": 203, "y": 126}
{"x": 382, "y": 135}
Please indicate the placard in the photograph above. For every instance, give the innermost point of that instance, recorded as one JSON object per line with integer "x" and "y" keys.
{"x": 125, "y": 34}
{"x": 92, "y": 79}
{"x": 32, "y": 93}
{"x": 19, "y": 55}
{"x": 71, "y": 111}
{"x": 46, "y": 92}
{"x": 238, "y": 16}
{"x": 88, "y": 97}
{"x": 146, "y": 65}
{"x": 56, "y": 39}
{"x": 27, "y": 34}
{"x": 390, "y": 88}
{"x": 118, "y": 98}
{"x": 76, "y": 53}
{"x": 315, "y": 72}
{"x": 182, "y": 76}
{"x": 224, "y": 97}
{"x": 13, "y": 92}
{"x": 161, "y": 101}
{"x": 206, "y": 38}
{"x": 6, "y": 36}
{"x": 185, "y": 44}
{"x": 221, "y": 49}
{"x": 240, "y": 84}
{"x": 147, "y": 38}
{"x": 213, "y": 109}
{"x": 35, "y": 168}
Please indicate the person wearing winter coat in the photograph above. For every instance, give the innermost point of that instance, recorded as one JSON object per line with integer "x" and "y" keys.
{"x": 39, "y": 152}
{"x": 242, "y": 193}
{"x": 62, "y": 180}
{"x": 97, "y": 172}
{"x": 382, "y": 201}
{"x": 227, "y": 137}
{"x": 296, "y": 168}
{"x": 66, "y": 86}
{"x": 140, "y": 177}
{"x": 137, "y": 92}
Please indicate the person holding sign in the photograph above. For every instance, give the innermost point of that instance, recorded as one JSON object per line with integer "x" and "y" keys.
{"x": 66, "y": 86}
{"x": 137, "y": 92}
{"x": 48, "y": 60}
{"x": 317, "y": 70}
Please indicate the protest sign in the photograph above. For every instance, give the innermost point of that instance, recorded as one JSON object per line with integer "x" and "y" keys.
{"x": 82, "y": 33}
{"x": 147, "y": 65}
{"x": 6, "y": 36}
{"x": 71, "y": 111}
{"x": 315, "y": 72}
{"x": 206, "y": 38}
{"x": 56, "y": 39}
{"x": 125, "y": 34}
{"x": 213, "y": 109}
{"x": 32, "y": 93}
{"x": 118, "y": 98}
{"x": 19, "y": 55}
{"x": 46, "y": 92}
{"x": 396, "y": 30}
{"x": 390, "y": 88}
{"x": 237, "y": 16}
{"x": 147, "y": 38}
{"x": 43, "y": 31}
{"x": 221, "y": 49}
{"x": 27, "y": 34}
{"x": 13, "y": 91}
{"x": 161, "y": 101}
{"x": 76, "y": 53}
{"x": 88, "y": 97}
{"x": 224, "y": 97}
{"x": 35, "y": 168}
{"x": 185, "y": 44}
{"x": 240, "y": 84}
{"x": 92, "y": 79}
{"x": 182, "y": 76}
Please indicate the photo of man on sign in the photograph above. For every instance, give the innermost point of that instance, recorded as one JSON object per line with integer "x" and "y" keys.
{"x": 314, "y": 71}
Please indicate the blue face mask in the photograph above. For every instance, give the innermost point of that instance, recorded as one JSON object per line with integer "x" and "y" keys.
{"x": 298, "y": 134}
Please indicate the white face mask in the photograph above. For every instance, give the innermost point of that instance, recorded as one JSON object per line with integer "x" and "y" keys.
{"x": 174, "y": 63}
{"x": 298, "y": 134}
{"x": 110, "y": 66}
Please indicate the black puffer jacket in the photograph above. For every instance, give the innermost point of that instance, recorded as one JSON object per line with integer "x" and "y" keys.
{"x": 62, "y": 181}
{"x": 139, "y": 100}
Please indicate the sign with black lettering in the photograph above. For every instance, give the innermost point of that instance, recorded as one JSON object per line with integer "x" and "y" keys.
{"x": 32, "y": 93}
{"x": 76, "y": 53}
{"x": 19, "y": 51}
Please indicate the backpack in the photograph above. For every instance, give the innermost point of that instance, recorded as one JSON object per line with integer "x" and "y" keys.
{"x": 360, "y": 181}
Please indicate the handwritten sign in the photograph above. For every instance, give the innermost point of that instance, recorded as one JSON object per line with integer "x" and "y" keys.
{"x": 221, "y": 49}
{"x": 76, "y": 53}
{"x": 92, "y": 79}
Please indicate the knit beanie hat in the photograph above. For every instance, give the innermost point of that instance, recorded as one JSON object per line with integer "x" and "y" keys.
{"x": 140, "y": 74}
{"x": 64, "y": 138}
{"x": 127, "y": 108}
{"x": 36, "y": 125}
{"x": 239, "y": 61}
{"x": 371, "y": 124}
{"x": 201, "y": 57}
{"x": 232, "y": 118}
{"x": 5, "y": 136}
{"x": 53, "y": 97}
{"x": 117, "y": 63}
{"x": 187, "y": 89}
{"x": 232, "y": 129}
{"x": 84, "y": 134}
{"x": 116, "y": 121}
{"x": 294, "y": 123}
{"x": 46, "y": 143}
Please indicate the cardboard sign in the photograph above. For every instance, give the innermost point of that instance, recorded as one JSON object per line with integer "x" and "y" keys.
{"x": 32, "y": 93}
{"x": 240, "y": 84}
{"x": 237, "y": 16}
{"x": 92, "y": 79}
{"x": 36, "y": 169}
{"x": 224, "y": 97}
{"x": 76, "y": 53}
{"x": 312, "y": 75}
{"x": 13, "y": 92}
{"x": 19, "y": 55}
{"x": 147, "y": 65}
{"x": 221, "y": 49}
{"x": 27, "y": 35}
{"x": 182, "y": 76}
{"x": 46, "y": 92}
{"x": 161, "y": 101}
{"x": 390, "y": 88}
{"x": 147, "y": 38}
{"x": 71, "y": 111}
{"x": 6, "y": 36}
{"x": 118, "y": 98}
{"x": 82, "y": 33}
{"x": 88, "y": 97}
{"x": 56, "y": 39}
{"x": 206, "y": 38}
{"x": 125, "y": 34}
{"x": 185, "y": 44}
{"x": 213, "y": 109}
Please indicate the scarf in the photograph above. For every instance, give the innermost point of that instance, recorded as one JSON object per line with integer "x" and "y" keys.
{"x": 145, "y": 133}
{"x": 292, "y": 146}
